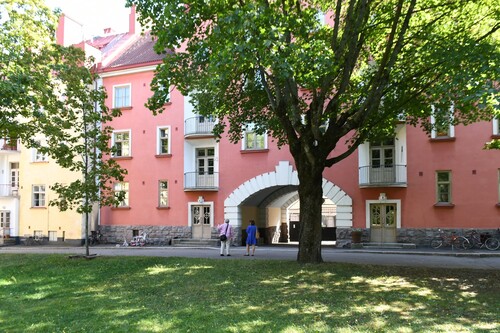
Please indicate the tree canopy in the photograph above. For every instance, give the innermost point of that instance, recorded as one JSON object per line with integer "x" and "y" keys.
{"x": 314, "y": 74}
{"x": 51, "y": 91}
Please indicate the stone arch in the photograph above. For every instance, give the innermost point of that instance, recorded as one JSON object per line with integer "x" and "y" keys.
{"x": 284, "y": 175}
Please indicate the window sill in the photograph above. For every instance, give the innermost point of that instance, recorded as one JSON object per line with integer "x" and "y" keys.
{"x": 252, "y": 151}
{"x": 41, "y": 207}
{"x": 121, "y": 208}
{"x": 444, "y": 205}
{"x": 443, "y": 139}
{"x": 121, "y": 157}
{"x": 163, "y": 208}
{"x": 498, "y": 205}
{"x": 163, "y": 155}
{"x": 40, "y": 162}
{"x": 124, "y": 108}
{"x": 495, "y": 136}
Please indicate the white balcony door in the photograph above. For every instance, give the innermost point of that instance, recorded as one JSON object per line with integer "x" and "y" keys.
{"x": 205, "y": 158}
{"x": 382, "y": 168}
{"x": 14, "y": 177}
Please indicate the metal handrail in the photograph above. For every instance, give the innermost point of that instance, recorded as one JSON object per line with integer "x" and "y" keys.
{"x": 203, "y": 180}
{"x": 199, "y": 126}
{"x": 382, "y": 175}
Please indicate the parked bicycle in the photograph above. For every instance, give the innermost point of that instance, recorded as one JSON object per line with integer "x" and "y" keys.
{"x": 140, "y": 240}
{"x": 453, "y": 240}
{"x": 96, "y": 237}
{"x": 484, "y": 240}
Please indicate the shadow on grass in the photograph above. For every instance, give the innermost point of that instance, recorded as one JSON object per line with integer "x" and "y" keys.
{"x": 49, "y": 293}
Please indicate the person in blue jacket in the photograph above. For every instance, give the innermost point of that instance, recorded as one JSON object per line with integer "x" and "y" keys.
{"x": 251, "y": 237}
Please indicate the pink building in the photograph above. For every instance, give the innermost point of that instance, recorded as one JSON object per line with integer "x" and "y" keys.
{"x": 182, "y": 182}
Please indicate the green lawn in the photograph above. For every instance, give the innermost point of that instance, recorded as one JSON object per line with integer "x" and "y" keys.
{"x": 52, "y": 293}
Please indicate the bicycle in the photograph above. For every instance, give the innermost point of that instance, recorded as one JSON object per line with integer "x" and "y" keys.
{"x": 453, "y": 240}
{"x": 493, "y": 242}
{"x": 139, "y": 240}
{"x": 96, "y": 237}
{"x": 482, "y": 240}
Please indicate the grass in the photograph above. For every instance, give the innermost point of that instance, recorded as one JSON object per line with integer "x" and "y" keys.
{"x": 51, "y": 293}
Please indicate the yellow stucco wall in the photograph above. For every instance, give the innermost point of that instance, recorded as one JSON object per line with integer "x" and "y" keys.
{"x": 67, "y": 225}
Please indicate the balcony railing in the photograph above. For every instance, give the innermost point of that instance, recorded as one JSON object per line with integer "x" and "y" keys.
{"x": 7, "y": 190}
{"x": 199, "y": 126}
{"x": 382, "y": 176}
{"x": 9, "y": 144}
{"x": 201, "y": 181}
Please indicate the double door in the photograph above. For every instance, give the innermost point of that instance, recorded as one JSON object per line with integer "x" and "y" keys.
{"x": 201, "y": 222}
{"x": 383, "y": 223}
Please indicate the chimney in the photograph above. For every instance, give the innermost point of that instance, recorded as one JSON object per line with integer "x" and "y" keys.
{"x": 133, "y": 25}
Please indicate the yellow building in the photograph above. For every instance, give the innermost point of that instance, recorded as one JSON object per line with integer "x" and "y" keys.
{"x": 36, "y": 217}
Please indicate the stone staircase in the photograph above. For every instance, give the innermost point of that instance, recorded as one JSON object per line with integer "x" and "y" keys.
{"x": 192, "y": 242}
{"x": 7, "y": 241}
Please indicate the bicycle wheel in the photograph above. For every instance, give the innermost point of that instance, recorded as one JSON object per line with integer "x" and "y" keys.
{"x": 461, "y": 243}
{"x": 436, "y": 243}
{"x": 492, "y": 243}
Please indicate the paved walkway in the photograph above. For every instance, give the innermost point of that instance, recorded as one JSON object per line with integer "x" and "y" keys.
{"x": 475, "y": 259}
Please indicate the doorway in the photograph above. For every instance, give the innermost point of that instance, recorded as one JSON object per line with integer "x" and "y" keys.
{"x": 383, "y": 222}
{"x": 201, "y": 221}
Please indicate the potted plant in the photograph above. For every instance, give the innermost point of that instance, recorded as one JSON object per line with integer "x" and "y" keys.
{"x": 356, "y": 235}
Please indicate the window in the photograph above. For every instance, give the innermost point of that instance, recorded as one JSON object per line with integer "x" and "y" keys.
{"x": 443, "y": 186}
{"x": 253, "y": 141}
{"x": 496, "y": 126}
{"x": 37, "y": 156}
{"x": 163, "y": 193}
{"x": 38, "y": 196}
{"x": 121, "y": 144}
{"x": 121, "y": 96}
{"x": 52, "y": 236}
{"x": 442, "y": 122}
{"x": 163, "y": 141}
{"x": 122, "y": 189}
{"x": 498, "y": 185}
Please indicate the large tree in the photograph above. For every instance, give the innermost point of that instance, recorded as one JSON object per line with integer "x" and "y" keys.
{"x": 313, "y": 84}
{"x": 50, "y": 91}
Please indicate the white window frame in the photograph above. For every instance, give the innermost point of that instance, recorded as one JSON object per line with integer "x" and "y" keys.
{"x": 52, "y": 236}
{"x": 5, "y": 218}
{"x": 448, "y": 183}
{"x": 40, "y": 190}
{"x": 127, "y": 100}
{"x": 451, "y": 127}
{"x": 496, "y": 126}
{"x": 163, "y": 193}
{"x": 383, "y": 201}
{"x": 114, "y": 141}
{"x": 249, "y": 130}
{"x": 123, "y": 187}
{"x": 159, "y": 139}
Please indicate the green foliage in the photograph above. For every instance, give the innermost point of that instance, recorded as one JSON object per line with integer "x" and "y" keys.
{"x": 43, "y": 293}
{"x": 311, "y": 85}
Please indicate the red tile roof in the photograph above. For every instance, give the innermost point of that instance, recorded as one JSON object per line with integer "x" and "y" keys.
{"x": 139, "y": 52}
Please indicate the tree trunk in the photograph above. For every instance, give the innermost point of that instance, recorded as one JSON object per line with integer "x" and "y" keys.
{"x": 311, "y": 200}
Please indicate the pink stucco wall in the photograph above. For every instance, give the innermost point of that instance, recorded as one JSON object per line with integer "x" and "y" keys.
{"x": 474, "y": 171}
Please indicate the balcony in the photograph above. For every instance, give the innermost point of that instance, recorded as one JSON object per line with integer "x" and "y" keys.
{"x": 7, "y": 144}
{"x": 7, "y": 190}
{"x": 196, "y": 181}
{"x": 199, "y": 127}
{"x": 382, "y": 176}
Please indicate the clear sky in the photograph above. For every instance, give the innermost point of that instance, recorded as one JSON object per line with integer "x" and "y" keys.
{"x": 95, "y": 15}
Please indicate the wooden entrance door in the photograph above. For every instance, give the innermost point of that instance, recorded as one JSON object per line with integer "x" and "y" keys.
{"x": 383, "y": 223}
{"x": 201, "y": 222}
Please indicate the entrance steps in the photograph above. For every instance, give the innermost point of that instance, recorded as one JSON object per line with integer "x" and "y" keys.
{"x": 193, "y": 242}
{"x": 7, "y": 241}
{"x": 383, "y": 246}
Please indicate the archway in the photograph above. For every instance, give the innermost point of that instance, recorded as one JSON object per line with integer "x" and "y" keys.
{"x": 283, "y": 183}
